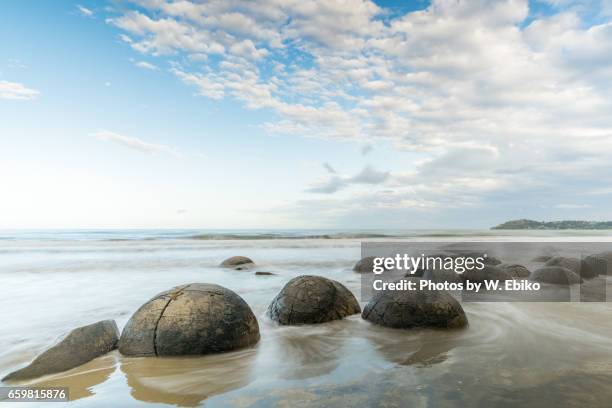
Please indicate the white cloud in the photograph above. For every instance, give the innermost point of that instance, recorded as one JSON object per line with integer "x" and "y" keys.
{"x": 132, "y": 142}
{"x": 146, "y": 65}
{"x": 480, "y": 90}
{"x": 17, "y": 91}
{"x": 85, "y": 11}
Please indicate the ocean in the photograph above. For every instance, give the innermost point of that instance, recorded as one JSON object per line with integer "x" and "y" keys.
{"x": 511, "y": 353}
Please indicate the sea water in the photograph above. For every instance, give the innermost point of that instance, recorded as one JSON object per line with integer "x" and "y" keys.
{"x": 511, "y": 353}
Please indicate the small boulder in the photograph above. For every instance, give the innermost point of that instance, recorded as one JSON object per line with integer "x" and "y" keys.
{"x": 515, "y": 270}
{"x": 237, "y": 262}
{"x": 192, "y": 319}
{"x": 262, "y": 273}
{"x": 489, "y": 272}
{"x": 555, "y": 274}
{"x": 312, "y": 299}
{"x": 81, "y": 345}
{"x": 405, "y": 309}
{"x": 364, "y": 265}
{"x": 491, "y": 260}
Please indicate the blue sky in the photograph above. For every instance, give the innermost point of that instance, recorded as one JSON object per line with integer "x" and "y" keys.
{"x": 340, "y": 114}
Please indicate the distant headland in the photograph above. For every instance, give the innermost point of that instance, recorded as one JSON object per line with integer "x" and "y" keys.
{"x": 553, "y": 225}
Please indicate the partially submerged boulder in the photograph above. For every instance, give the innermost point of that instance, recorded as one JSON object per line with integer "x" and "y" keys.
{"x": 237, "y": 262}
{"x": 556, "y": 275}
{"x": 81, "y": 345}
{"x": 263, "y": 273}
{"x": 312, "y": 299}
{"x": 596, "y": 264}
{"x": 192, "y": 319}
{"x": 489, "y": 272}
{"x": 514, "y": 270}
{"x": 405, "y": 309}
{"x": 364, "y": 265}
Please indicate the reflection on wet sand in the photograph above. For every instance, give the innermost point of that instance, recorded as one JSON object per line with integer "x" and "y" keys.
{"x": 82, "y": 379}
{"x": 310, "y": 351}
{"x": 421, "y": 348}
{"x": 187, "y": 381}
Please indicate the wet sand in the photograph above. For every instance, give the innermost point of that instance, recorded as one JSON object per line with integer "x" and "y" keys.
{"x": 532, "y": 354}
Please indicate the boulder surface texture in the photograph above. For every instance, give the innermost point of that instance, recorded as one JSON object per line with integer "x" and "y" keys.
{"x": 556, "y": 275}
{"x": 405, "y": 309}
{"x": 192, "y": 319}
{"x": 312, "y": 299}
{"x": 81, "y": 345}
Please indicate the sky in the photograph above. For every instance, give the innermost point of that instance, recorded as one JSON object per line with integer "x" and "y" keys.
{"x": 304, "y": 113}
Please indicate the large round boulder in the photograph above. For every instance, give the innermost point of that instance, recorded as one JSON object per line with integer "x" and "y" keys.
{"x": 489, "y": 272}
{"x": 312, "y": 299}
{"x": 555, "y": 274}
{"x": 192, "y": 319}
{"x": 237, "y": 262}
{"x": 515, "y": 270}
{"x": 405, "y": 309}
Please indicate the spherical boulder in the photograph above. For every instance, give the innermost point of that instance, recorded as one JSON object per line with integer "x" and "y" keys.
{"x": 489, "y": 272}
{"x": 312, "y": 299}
{"x": 237, "y": 262}
{"x": 515, "y": 270}
{"x": 192, "y": 319}
{"x": 596, "y": 264}
{"x": 573, "y": 264}
{"x": 405, "y": 309}
{"x": 555, "y": 274}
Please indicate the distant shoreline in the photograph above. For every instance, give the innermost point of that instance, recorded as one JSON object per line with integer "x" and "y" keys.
{"x": 525, "y": 224}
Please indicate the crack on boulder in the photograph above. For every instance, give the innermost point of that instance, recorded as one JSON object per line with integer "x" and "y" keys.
{"x": 171, "y": 296}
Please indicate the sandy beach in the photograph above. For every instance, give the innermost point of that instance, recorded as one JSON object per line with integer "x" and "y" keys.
{"x": 511, "y": 353}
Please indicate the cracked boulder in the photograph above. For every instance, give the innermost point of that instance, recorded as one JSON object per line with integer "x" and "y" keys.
{"x": 81, "y": 345}
{"x": 237, "y": 262}
{"x": 556, "y": 275}
{"x": 192, "y": 319}
{"x": 312, "y": 299}
{"x": 406, "y": 309}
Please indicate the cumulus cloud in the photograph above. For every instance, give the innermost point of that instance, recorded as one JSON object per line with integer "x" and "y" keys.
{"x": 496, "y": 100}
{"x": 146, "y": 65}
{"x": 132, "y": 142}
{"x": 17, "y": 91}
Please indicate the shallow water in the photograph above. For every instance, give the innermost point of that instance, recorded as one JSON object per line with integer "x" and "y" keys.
{"x": 531, "y": 354}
